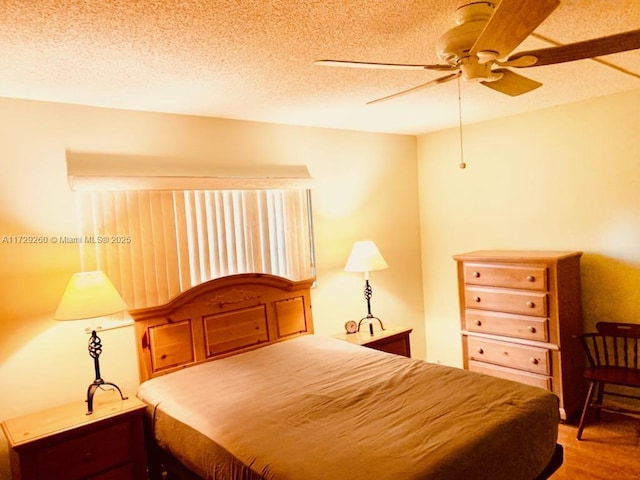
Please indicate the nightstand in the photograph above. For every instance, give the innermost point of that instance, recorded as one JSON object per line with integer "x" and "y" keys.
{"x": 394, "y": 339}
{"x": 64, "y": 443}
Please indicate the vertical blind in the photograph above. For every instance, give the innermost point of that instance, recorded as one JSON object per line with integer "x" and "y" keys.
{"x": 155, "y": 244}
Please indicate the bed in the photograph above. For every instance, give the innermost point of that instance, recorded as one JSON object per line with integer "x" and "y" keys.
{"x": 239, "y": 387}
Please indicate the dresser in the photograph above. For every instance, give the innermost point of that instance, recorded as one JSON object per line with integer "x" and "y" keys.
{"x": 520, "y": 312}
{"x": 64, "y": 443}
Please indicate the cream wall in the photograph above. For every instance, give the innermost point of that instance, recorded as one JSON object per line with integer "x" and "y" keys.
{"x": 365, "y": 187}
{"x": 560, "y": 178}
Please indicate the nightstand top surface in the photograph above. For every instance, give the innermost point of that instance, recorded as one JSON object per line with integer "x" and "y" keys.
{"x": 363, "y": 336}
{"x": 29, "y": 428}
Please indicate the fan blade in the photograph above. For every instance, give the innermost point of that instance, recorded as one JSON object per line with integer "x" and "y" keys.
{"x": 519, "y": 61}
{"x": 399, "y": 66}
{"x": 512, "y": 84}
{"x": 430, "y": 83}
{"x": 597, "y": 47}
{"x": 511, "y": 23}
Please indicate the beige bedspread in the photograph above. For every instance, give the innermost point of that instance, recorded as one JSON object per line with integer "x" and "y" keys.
{"x": 320, "y": 408}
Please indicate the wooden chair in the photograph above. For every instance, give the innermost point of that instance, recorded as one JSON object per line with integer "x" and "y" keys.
{"x": 613, "y": 355}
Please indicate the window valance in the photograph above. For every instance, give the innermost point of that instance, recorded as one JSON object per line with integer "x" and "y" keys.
{"x": 107, "y": 172}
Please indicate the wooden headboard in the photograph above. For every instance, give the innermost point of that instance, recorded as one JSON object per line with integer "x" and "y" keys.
{"x": 219, "y": 318}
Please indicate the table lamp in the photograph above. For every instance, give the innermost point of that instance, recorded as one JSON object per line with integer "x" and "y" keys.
{"x": 91, "y": 295}
{"x": 365, "y": 257}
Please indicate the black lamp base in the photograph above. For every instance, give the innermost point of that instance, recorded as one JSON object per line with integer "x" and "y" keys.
{"x": 92, "y": 390}
{"x": 95, "y": 349}
{"x": 368, "y": 293}
{"x": 370, "y": 318}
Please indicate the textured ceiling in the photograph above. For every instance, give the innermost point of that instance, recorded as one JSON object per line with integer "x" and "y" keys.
{"x": 253, "y": 59}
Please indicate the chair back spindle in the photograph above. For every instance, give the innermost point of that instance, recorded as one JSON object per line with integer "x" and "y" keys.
{"x": 613, "y": 354}
{"x": 622, "y": 338}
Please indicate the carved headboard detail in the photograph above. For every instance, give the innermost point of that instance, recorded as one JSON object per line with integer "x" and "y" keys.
{"x": 219, "y": 318}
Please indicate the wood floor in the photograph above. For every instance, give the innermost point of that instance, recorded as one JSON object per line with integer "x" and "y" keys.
{"x": 609, "y": 449}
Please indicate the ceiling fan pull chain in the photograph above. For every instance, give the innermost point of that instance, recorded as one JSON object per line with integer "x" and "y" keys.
{"x": 462, "y": 165}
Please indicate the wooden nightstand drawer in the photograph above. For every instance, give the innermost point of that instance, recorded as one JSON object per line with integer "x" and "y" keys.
{"x": 393, "y": 339}
{"x": 508, "y": 276}
{"x": 86, "y": 454}
{"x": 124, "y": 472}
{"x": 511, "y": 301}
{"x": 63, "y": 443}
{"x": 399, "y": 346}
{"x": 521, "y": 357}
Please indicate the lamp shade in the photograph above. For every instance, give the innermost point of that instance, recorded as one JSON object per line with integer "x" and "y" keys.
{"x": 89, "y": 295}
{"x": 365, "y": 257}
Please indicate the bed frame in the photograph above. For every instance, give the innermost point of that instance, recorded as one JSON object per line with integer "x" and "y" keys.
{"x": 216, "y": 319}
{"x": 219, "y": 318}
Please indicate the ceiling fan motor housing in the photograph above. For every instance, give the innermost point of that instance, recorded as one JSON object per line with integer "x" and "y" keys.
{"x": 456, "y": 43}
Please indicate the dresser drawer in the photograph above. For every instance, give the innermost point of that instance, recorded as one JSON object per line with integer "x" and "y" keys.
{"x": 86, "y": 454}
{"x": 509, "y": 276}
{"x": 511, "y": 301}
{"x": 540, "y": 381}
{"x": 521, "y": 357}
{"x": 509, "y": 325}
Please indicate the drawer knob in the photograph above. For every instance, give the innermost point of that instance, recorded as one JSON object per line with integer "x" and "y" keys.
{"x": 480, "y": 350}
{"x": 476, "y": 299}
{"x": 532, "y": 329}
{"x": 531, "y": 304}
{"x": 476, "y": 274}
{"x": 478, "y": 323}
{"x": 531, "y": 278}
{"x": 87, "y": 456}
{"x": 534, "y": 361}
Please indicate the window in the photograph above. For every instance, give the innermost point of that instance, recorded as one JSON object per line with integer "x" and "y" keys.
{"x": 154, "y": 244}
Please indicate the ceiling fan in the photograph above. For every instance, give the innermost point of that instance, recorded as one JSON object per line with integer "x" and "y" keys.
{"x": 480, "y": 47}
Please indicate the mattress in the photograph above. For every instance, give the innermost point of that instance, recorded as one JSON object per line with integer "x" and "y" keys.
{"x": 316, "y": 407}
